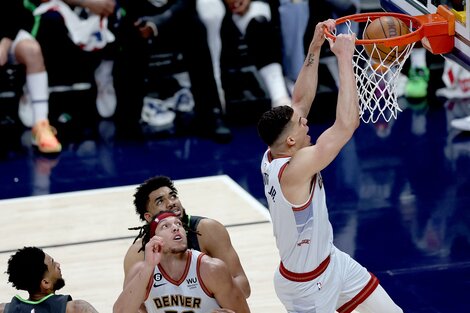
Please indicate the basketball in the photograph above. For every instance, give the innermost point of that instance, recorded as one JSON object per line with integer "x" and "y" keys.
{"x": 385, "y": 27}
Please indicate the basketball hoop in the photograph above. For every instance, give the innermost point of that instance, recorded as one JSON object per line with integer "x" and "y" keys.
{"x": 377, "y": 77}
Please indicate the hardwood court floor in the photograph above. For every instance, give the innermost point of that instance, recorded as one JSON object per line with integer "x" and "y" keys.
{"x": 86, "y": 232}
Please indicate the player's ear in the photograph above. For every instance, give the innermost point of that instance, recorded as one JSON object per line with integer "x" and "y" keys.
{"x": 45, "y": 284}
{"x": 290, "y": 141}
{"x": 148, "y": 216}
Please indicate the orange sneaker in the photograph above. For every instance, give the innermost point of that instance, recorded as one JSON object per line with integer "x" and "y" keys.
{"x": 44, "y": 137}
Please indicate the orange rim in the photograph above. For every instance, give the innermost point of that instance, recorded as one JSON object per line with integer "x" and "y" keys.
{"x": 441, "y": 23}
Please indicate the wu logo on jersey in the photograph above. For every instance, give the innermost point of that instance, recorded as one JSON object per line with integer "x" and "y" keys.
{"x": 192, "y": 282}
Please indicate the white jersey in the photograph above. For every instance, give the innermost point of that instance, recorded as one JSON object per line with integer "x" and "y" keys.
{"x": 188, "y": 294}
{"x": 304, "y": 236}
{"x": 314, "y": 275}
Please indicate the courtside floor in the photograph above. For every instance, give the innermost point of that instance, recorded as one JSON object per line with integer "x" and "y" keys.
{"x": 87, "y": 233}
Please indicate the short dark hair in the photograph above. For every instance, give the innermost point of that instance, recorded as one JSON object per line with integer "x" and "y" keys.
{"x": 141, "y": 196}
{"x": 26, "y": 269}
{"x": 272, "y": 123}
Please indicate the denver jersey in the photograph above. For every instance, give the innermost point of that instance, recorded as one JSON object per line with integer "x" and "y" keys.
{"x": 188, "y": 294}
{"x": 304, "y": 236}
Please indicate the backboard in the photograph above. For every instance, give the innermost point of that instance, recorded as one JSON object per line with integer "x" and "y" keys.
{"x": 461, "y": 51}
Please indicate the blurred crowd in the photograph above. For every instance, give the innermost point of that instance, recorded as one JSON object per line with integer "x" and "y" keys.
{"x": 158, "y": 63}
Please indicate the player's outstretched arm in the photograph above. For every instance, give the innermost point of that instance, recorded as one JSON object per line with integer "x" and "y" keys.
{"x": 347, "y": 108}
{"x": 307, "y": 81}
{"x": 216, "y": 277}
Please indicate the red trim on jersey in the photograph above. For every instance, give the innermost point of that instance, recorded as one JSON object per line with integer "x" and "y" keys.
{"x": 303, "y": 207}
{"x": 281, "y": 170}
{"x": 303, "y": 277}
{"x": 270, "y": 156}
{"x": 361, "y": 296}
{"x": 201, "y": 282}
{"x": 185, "y": 273}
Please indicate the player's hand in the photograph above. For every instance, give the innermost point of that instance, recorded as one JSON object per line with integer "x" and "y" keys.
{"x": 239, "y": 7}
{"x": 153, "y": 251}
{"x": 343, "y": 46}
{"x": 319, "y": 35}
{"x": 222, "y": 311}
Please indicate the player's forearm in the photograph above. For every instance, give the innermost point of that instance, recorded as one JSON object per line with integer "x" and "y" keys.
{"x": 307, "y": 82}
{"x": 134, "y": 293}
{"x": 347, "y": 110}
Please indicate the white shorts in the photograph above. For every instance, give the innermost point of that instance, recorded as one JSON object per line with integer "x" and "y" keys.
{"x": 343, "y": 280}
{"x": 22, "y": 35}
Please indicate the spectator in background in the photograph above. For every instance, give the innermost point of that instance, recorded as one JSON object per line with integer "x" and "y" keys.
{"x": 457, "y": 86}
{"x": 17, "y": 46}
{"x": 174, "y": 25}
{"x": 36, "y": 272}
{"x": 254, "y": 19}
{"x": 294, "y": 17}
{"x": 78, "y": 44}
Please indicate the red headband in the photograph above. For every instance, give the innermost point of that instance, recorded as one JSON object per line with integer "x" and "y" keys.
{"x": 154, "y": 223}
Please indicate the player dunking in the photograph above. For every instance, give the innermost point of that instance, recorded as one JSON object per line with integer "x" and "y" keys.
{"x": 314, "y": 276}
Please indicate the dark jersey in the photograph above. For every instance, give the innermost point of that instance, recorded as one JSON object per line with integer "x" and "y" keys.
{"x": 193, "y": 242}
{"x": 49, "y": 304}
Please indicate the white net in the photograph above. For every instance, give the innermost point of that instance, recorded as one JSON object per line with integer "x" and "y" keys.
{"x": 377, "y": 78}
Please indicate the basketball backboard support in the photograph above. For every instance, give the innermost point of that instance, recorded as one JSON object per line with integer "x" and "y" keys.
{"x": 461, "y": 51}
